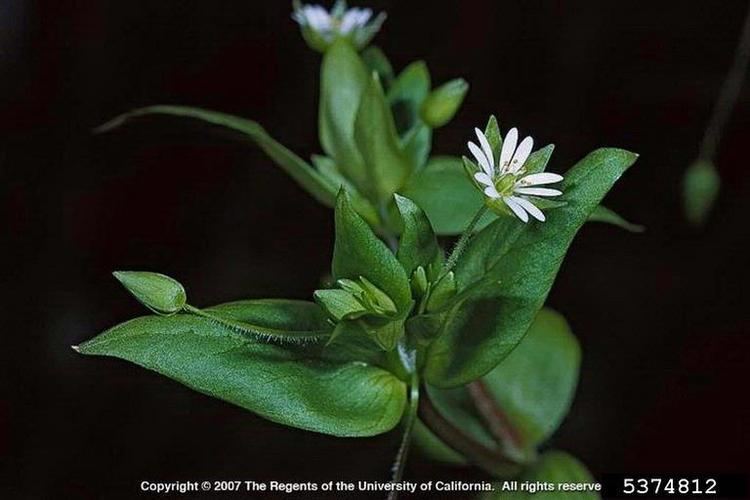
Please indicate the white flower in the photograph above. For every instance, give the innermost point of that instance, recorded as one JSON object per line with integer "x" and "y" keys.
{"x": 356, "y": 23}
{"x": 506, "y": 180}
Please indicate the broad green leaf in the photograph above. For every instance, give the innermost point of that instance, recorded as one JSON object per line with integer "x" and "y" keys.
{"x": 359, "y": 253}
{"x": 442, "y": 103}
{"x": 406, "y": 95}
{"x": 535, "y": 384}
{"x": 387, "y": 164}
{"x": 511, "y": 266}
{"x": 284, "y": 384}
{"x": 160, "y": 293}
{"x": 555, "y": 467}
{"x": 343, "y": 80}
{"x": 418, "y": 245}
{"x": 376, "y": 61}
{"x": 446, "y": 194}
{"x": 700, "y": 187}
{"x": 609, "y": 216}
{"x": 297, "y": 168}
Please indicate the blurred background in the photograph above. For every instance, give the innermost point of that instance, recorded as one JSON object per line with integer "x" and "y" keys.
{"x": 662, "y": 316}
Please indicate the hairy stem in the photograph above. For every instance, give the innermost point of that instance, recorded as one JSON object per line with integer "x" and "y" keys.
{"x": 463, "y": 241}
{"x": 490, "y": 460}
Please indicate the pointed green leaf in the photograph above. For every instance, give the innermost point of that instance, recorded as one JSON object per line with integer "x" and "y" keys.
{"x": 158, "y": 292}
{"x": 328, "y": 169}
{"x": 700, "y": 188}
{"x": 608, "y": 216}
{"x": 418, "y": 245}
{"x": 339, "y": 304}
{"x": 343, "y": 80}
{"x": 297, "y": 168}
{"x": 285, "y": 384}
{"x": 448, "y": 197}
{"x": 513, "y": 265}
{"x": 387, "y": 164}
{"x": 359, "y": 253}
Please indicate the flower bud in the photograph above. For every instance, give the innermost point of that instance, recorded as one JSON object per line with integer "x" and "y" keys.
{"x": 442, "y": 104}
{"x": 161, "y": 294}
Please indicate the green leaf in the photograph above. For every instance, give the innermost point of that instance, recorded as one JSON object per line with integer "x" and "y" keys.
{"x": 555, "y": 467}
{"x": 328, "y": 169}
{"x": 700, "y": 188}
{"x": 494, "y": 137}
{"x": 442, "y": 104}
{"x": 343, "y": 81}
{"x": 511, "y": 266}
{"x": 359, "y": 253}
{"x": 446, "y": 194}
{"x": 339, "y": 304}
{"x": 608, "y": 216}
{"x": 431, "y": 447}
{"x": 284, "y": 384}
{"x": 406, "y": 95}
{"x": 297, "y": 168}
{"x": 270, "y": 320}
{"x": 535, "y": 384}
{"x": 375, "y": 133}
{"x": 417, "y": 144}
{"x": 158, "y": 292}
{"x": 418, "y": 245}
{"x": 376, "y": 60}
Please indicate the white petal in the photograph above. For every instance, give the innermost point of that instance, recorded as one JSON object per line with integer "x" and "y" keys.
{"x": 484, "y": 178}
{"x": 486, "y": 148}
{"x": 491, "y": 192}
{"x": 509, "y": 147}
{"x": 529, "y": 207}
{"x": 542, "y": 178}
{"x": 538, "y": 191}
{"x": 481, "y": 158}
{"x": 516, "y": 208}
{"x": 522, "y": 154}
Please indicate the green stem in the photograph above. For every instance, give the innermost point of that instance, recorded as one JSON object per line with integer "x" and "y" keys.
{"x": 411, "y": 417}
{"x": 463, "y": 241}
{"x": 728, "y": 94}
{"x": 490, "y": 460}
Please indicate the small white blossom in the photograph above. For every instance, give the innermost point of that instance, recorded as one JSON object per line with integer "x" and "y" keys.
{"x": 506, "y": 180}
{"x": 325, "y": 27}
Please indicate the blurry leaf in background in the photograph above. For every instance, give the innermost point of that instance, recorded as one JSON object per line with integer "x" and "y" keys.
{"x": 409, "y": 90}
{"x": 553, "y": 467}
{"x": 533, "y": 388}
{"x": 285, "y": 384}
{"x": 609, "y": 216}
{"x": 343, "y": 80}
{"x": 387, "y": 165}
{"x": 700, "y": 187}
{"x": 376, "y": 60}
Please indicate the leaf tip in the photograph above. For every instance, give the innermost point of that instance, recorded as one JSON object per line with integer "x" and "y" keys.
{"x": 76, "y": 348}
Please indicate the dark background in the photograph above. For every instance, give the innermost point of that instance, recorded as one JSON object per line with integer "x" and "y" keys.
{"x": 661, "y": 316}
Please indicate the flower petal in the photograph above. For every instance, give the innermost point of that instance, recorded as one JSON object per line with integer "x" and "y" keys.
{"x": 509, "y": 147}
{"x": 483, "y": 178}
{"x": 516, "y": 208}
{"x": 529, "y": 207}
{"x": 486, "y": 148}
{"x": 541, "y": 178}
{"x": 538, "y": 191}
{"x": 522, "y": 154}
{"x": 491, "y": 192}
{"x": 481, "y": 158}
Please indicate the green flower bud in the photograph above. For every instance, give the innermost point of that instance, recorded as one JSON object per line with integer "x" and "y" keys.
{"x": 442, "y": 104}
{"x": 162, "y": 294}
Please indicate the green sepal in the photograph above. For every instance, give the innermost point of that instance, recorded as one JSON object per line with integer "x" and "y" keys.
{"x": 376, "y": 60}
{"x": 700, "y": 188}
{"x": 418, "y": 245}
{"x": 339, "y": 304}
{"x": 160, "y": 293}
{"x": 442, "y": 292}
